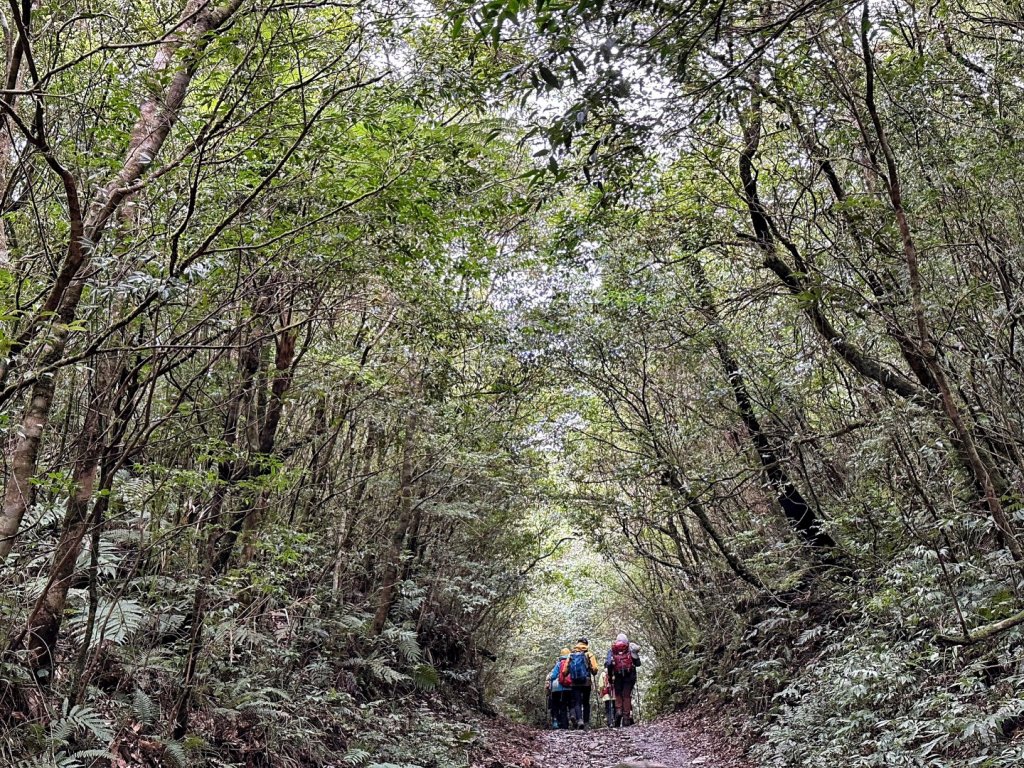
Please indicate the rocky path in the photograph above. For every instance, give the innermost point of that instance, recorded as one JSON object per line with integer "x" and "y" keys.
{"x": 680, "y": 741}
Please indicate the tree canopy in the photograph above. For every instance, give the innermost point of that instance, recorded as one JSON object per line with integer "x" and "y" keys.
{"x": 355, "y": 356}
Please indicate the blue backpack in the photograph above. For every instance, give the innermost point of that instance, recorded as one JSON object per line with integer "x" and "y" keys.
{"x": 579, "y": 668}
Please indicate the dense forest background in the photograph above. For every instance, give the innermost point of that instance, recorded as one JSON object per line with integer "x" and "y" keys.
{"x": 356, "y": 355}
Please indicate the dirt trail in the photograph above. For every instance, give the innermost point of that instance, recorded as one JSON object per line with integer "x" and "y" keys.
{"x": 679, "y": 741}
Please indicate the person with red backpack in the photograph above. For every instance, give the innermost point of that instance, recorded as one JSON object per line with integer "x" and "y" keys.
{"x": 621, "y": 662}
{"x": 561, "y": 692}
{"x": 582, "y": 668}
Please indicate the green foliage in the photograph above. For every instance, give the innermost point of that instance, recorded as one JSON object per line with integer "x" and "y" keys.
{"x": 432, "y": 335}
{"x": 66, "y": 741}
{"x": 306, "y": 259}
{"x": 79, "y": 720}
{"x": 176, "y": 754}
{"x": 429, "y": 740}
{"x": 115, "y": 620}
{"x": 425, "y": 677}
{"x": 82, "y": 759}
{"x": 357, "y": 757}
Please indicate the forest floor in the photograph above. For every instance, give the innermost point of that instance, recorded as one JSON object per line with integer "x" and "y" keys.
{"x": 678, "y": 741}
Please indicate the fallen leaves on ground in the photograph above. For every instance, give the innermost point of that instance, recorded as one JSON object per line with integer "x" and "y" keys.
{"x": 682, "y": 740}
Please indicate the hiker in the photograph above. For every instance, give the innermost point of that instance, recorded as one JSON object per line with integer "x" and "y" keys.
{"x": 622, "y": 660}
{"x": 582, "y": 668}
{"x": 604, "y": 690}
{"x": 559, "y": 695}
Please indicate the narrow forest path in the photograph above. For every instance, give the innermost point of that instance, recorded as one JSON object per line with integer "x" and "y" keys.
{"x": 678, "y": 741}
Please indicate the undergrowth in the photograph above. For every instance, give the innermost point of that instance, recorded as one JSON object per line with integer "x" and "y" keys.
{"x": 871, "y": 683}
{"x": 288, "y": 677}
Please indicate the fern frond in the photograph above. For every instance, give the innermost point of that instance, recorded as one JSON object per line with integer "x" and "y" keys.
{"x": 175, "y": 750}
{"x": 59, "y": 760}
{"x": 405, "y": 641}
{"x": 116, "y": 621}
{"x": 379, "y": 669}
{"x": 108, "y": 557}
{"x": 267, "y": 693}
{"x": 352, "y": 621}
{"x": 146, "y": 710}
{"x": 78, "y": 719}
{"x": 87, "y": 756}
{"x": 425, "y": 677}
{"x": 357, "y": 757}
{"x": 264, "y": 709}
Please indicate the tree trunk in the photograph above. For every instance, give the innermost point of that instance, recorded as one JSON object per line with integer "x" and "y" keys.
{"x": 355, "y": 499}
{"x": 934, "y": 391}
{"x": 158, "y": 114}
{"x": 228, "y": 470}
{"x": 800, "y": 514}
{"x": 19, "y": 493}
{"x": 284, "y": 361}
{"x": 392, "y": 568}
{"x": 45, "y": 621}
{"x": 983, "y": 473}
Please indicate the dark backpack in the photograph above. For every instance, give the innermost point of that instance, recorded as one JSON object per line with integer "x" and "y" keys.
{"x": 564, "y": 675}
{"x": 579, "y": 668}
{"x": 622, "y": 658}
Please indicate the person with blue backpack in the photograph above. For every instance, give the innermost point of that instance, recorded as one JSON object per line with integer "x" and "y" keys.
{"x": 582, "y": 668}
{"x": 560, "y": 695}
